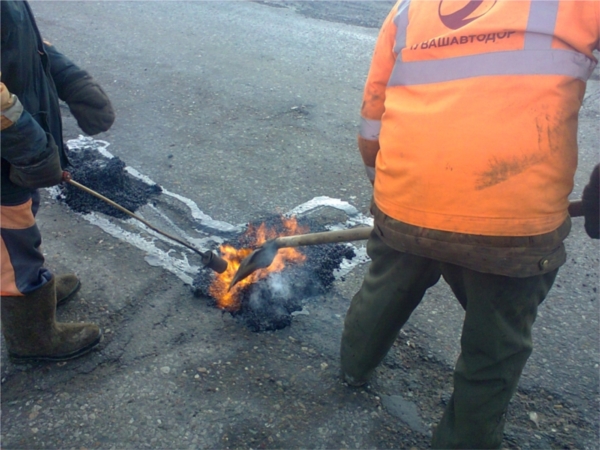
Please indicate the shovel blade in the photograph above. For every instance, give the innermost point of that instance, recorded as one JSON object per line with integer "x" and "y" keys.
{"x": 260, "y": 258}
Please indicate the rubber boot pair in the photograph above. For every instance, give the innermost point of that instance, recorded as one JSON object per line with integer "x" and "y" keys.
{"x": 32, "y": 333}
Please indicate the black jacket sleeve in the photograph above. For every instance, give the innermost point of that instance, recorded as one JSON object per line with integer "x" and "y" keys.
{"x": 87, "y": 101}
{"x": 64, "y": 71}
{"x": 32, "y": 153}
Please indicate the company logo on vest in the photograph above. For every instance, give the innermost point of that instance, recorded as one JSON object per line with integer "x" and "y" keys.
{"x": 473, "y": 10}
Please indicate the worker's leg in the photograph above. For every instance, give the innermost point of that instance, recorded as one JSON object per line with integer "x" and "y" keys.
{"x": 392, "y": 288}
{"x": 28, "y": 301}
{"x": 22, "y": 261}
{"x": 495, "y": 345}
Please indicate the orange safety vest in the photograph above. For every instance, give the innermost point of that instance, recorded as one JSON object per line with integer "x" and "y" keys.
{"x": 474, "y": 104}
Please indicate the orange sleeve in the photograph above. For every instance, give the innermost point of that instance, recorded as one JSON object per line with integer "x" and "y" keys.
{"x": 382, "y": 65}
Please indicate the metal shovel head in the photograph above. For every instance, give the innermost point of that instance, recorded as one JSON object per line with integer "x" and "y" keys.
{"x": 260, "y": 258}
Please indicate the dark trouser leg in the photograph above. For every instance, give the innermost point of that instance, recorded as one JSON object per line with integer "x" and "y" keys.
{"x": 22, "y": 259}
{"x": 495, "y": 345}
{"x": 391, "y": 290}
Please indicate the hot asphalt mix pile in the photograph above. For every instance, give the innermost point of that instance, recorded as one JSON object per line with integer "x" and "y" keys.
{"x": 269, "y": 303}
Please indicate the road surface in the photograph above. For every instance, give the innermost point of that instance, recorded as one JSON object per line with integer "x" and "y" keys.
{"x": 242, "y": 110}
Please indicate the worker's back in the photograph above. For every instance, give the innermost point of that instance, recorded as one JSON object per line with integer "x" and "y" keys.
{"x": 476, "y": 112}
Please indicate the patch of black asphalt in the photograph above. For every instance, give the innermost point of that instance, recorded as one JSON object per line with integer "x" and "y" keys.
{"x": 108, "y": 177}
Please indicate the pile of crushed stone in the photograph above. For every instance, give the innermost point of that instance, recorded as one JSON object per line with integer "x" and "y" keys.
{"x": 269, "y": 303}
{"x": 108, "y": 177}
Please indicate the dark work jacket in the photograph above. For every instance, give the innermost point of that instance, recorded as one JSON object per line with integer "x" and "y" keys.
{"x": 27, "y": 73}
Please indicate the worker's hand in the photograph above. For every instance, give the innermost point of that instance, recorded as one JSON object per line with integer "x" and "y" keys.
{"x": 5, "y": 96}
{"x": 90, "y": 105}
{"x": 45, "y": 173}
{"x": 591, "y": 204}
{"x": 11, "y": 108}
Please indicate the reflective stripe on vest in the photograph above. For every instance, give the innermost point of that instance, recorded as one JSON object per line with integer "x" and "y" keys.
{"x": 537, "y": 57}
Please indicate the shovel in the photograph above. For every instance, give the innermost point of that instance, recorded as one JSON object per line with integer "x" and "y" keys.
{"x": 263, "y": 256}
{"x": 209, "y": 259}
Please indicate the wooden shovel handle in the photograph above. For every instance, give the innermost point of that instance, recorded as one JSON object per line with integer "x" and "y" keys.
{"x": 361, "y": 233}
{"x": 325, "y": 237}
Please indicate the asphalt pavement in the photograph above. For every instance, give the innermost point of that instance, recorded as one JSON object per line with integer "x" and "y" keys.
{"x": 240, "y": 110}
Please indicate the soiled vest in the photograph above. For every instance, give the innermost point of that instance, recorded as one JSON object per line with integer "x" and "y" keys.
{"x": 475, "y": 107}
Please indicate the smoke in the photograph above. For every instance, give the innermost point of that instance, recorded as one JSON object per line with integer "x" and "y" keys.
{"x": 279, "y": 285}
{"x": 268, "y": 304}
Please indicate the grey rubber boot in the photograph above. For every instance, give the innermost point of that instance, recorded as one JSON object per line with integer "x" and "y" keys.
{"x": 32, "y": 333}
{"x": 67, "y": 286}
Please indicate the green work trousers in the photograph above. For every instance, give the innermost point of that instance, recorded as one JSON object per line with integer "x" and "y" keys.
{"x": 495, "y": 342}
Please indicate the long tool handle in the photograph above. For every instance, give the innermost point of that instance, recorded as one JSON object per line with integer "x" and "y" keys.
{"x": 361, "y": 233}
{"x": 325, "y": 237}
{"x": 129, "y": 213}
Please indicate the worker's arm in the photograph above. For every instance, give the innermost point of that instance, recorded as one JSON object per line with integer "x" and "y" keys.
{"x": 87, "y": 101}
{"x": 31, "y": 152}
{"x": 368, "y": 151}
{"x": 373, "y": 104}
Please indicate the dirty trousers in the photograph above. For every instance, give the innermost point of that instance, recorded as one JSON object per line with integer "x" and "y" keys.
{"x": 22, "y": 261}
{"x": 495, "y": 342}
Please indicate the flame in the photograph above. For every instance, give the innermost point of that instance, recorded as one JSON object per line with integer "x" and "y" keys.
{"x": 229, "y": 299}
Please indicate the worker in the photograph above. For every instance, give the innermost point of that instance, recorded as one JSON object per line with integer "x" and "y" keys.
{"x": 34, "y": 76}
{"x": 469, "y": 136}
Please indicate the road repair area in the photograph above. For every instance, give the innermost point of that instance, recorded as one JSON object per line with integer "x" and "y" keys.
{"x": 231, "y": 114}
